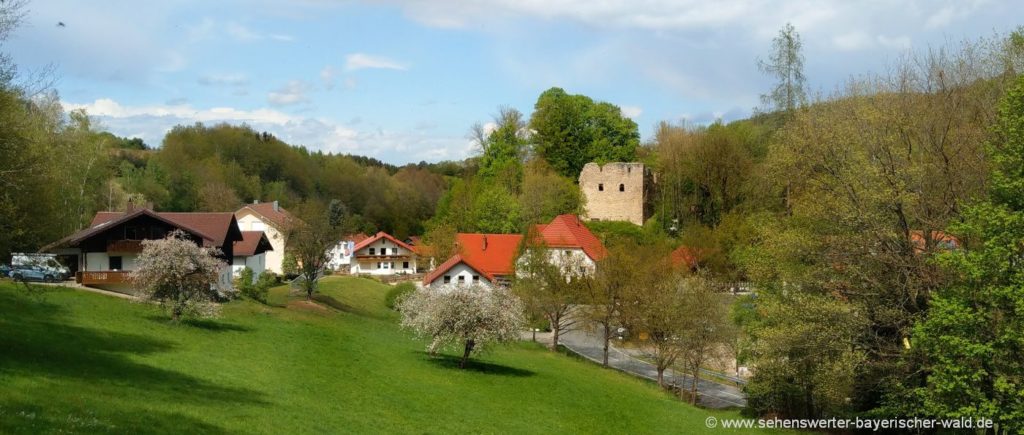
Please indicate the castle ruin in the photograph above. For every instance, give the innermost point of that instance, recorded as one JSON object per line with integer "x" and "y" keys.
{"x": 616, "y": 191}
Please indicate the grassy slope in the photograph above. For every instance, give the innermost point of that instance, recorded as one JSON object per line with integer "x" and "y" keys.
{"x": 83, "y": 362}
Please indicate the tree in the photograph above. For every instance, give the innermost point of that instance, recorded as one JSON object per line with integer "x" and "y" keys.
{"x": 972, "y": 336}
{"x": 570, "y": 131}
{"x": 503, "y": 148}
{"x": 786, "y": 64}
{"x": 546, "y": 194}
{"x": 652, "y": 310}
{"x": 552, "y": 284}
{"x": 179, "y": 274}
{"x": 708, "y": 329}
{"x": 311, "y": 235}
{"x": 472, "y": 317}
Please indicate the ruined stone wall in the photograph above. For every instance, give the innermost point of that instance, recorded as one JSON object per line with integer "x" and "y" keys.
{"x": 616, "y": 191}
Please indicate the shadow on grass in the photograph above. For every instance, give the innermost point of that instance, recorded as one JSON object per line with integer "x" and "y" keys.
{"x": 30, "y": 418}
{"x": 204, "y": 324}
{"x": 346, "y": 308}
{"x": 452, "y": 362}
{"x": 37, "y": 344}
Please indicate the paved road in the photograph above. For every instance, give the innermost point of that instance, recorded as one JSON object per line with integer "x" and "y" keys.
{"x": 711, "y": 394}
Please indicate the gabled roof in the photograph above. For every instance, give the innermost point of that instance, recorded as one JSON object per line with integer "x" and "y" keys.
{"x": 567, "y": 231}
{"x": 494, "y": 254}
{"x": 941, "y": 239}
{"x": 252, "y": 243}
{"x": 452, "y": 262}
{"x": 222, "y": 226}
{"x": 106, "y": 220}
{"x": 379, "y": 236}
{"x": 355, "y": 238}
{"x": 275, "y": 214}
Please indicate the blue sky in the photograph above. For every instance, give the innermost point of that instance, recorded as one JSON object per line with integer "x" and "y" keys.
{"x": 403, "y": 81}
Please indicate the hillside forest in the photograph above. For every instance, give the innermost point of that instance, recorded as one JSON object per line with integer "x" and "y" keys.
{"x": 837, "y": 204}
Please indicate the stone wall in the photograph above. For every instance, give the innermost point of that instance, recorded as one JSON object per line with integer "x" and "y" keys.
{"x": 616, "y": 191}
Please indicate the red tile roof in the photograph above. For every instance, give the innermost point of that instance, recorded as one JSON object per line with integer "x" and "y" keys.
{"x": 355, "y": 238}
{"x": 252, "y": 243}
{"x": 685, "y": 255}
{"x": 567, "y": 231}
{"x": 279, "y": 217}
{"x": 494, "y": 254}
{"x": 940, "y": 239}
{"x": 377, "y": 237}
{"x": 452, "y": 262}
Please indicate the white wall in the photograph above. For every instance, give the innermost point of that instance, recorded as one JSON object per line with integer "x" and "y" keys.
{"x": 250, "y": 222}
{"x": 258, "y": 264}
{"x": 100, "y": 261}
{"x": 340, "y": 256}
{"x": 565, "y": 257}
{"x": 462, "y": 271}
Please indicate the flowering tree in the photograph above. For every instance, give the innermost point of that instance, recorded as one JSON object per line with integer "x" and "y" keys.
{"x": 178, "y": 274}
{"x": 470, "y": 316}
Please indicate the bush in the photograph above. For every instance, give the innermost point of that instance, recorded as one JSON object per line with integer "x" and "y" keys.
{"x": 256, "y": 291}
{"x": 397, "y": 292}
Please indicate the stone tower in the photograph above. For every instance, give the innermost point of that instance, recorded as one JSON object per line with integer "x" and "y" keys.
{"x": 616, "y": 191}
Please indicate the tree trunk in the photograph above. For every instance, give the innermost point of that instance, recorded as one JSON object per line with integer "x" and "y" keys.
{"x": 607, "y": 339}
{"x": 175, "y": 314}
{"x": 693, "y": 385}
{"x": 555, "y": 332}
{"x": 661, "y": 377}
{"x": 465, "y": 354}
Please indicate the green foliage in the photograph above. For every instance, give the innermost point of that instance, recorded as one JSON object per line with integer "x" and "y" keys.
{"x": 972, "y": 336}
{"x": 496, "y": 211}
{"x": 786, "y": 64}
{"x": 397, "y": 292}
{"x": 289, "y": 265}
{"x": 573, "y": 130}
{"x": 256, "y": 288}
{"x": 613, "y": 232}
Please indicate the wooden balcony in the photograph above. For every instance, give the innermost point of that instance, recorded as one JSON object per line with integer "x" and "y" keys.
{"x": 103, "y": 277}
{"x": 383, "y": 257}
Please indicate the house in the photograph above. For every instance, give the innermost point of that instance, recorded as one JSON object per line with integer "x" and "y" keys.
{"x": 568, "y": 241}
{"x": 106, "y": 251}
{"x": 939, "y": 240}
{"x": 251, "y": 252}
{"x": 486, "y": 259}
{"x": 342, "y": 253}
{"x": 688, "y": 257}
{"x": 383, "y": 254}
{"x": 273, "y": 220}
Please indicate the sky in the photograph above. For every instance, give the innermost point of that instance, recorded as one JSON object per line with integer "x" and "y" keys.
{"x": 404, "y": 80}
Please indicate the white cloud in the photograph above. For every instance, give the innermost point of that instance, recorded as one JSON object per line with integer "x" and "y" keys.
{"x": 293, "y": 92}
{"x": 632, "y": 112}
{"x": 896, "y": 42}
{"x": 357, "y": 61}
{"x": 857, "y": 40}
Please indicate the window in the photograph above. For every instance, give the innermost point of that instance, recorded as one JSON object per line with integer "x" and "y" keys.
{"x": 462, "y": 278}
{"x": 373, "y": 251}
{"x": 115, "y": 263}
{"x": 566, "y": 253}
{"x": 394, "y": 251}
{"x": 378, "y": 265}
{"x": 391, "y": 265}
{"x": 447, "y": 279}
{"x": 622, "y": 188}
{"x": 600, "y": 187}
{"x": 405, "y": 265}
{"x": 476, "y": 278}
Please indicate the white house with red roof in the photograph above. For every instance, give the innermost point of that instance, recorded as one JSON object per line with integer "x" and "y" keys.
{"x": 383, "y": 254}
{"x": 484, "y": 259}
{"x": 271, "y": 219}
{"x": 568, "y": 241}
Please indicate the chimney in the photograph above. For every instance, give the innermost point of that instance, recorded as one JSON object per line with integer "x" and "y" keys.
{"x": 485, "y": 242}
{"x": 130, "y": 207}
{"x": 255, "y": 201}
{"x": 277, "y": 207}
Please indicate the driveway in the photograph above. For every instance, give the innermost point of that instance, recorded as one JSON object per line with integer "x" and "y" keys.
{"x": 710, "y": 394}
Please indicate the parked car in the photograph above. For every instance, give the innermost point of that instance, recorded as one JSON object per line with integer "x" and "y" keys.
{"x": 5, "y": 271}
{"x": 36, "y": 273}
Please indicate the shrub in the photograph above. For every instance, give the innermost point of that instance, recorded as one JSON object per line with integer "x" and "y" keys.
{"x": 397, "y": 292}
{"x": 258, "y": 290}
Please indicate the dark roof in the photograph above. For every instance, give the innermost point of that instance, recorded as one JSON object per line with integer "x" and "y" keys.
{"x": 221, "y": 226}
{"x": 106, "y": 220}
{"x": 252, "y": 243}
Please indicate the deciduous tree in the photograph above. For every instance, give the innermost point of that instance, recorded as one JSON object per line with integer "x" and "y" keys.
{"x": 179, "y": 274}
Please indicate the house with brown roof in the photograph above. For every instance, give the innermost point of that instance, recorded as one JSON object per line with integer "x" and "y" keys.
{"x": 272, "y": 219}
{"x": 251, "y": 252}
{"x": 485, "y": 259}
{"x": 383, "y": 254}
{"x": 105, "y": 252}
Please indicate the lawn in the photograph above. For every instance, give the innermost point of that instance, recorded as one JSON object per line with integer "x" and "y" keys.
{"x": 74, "y": 361}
